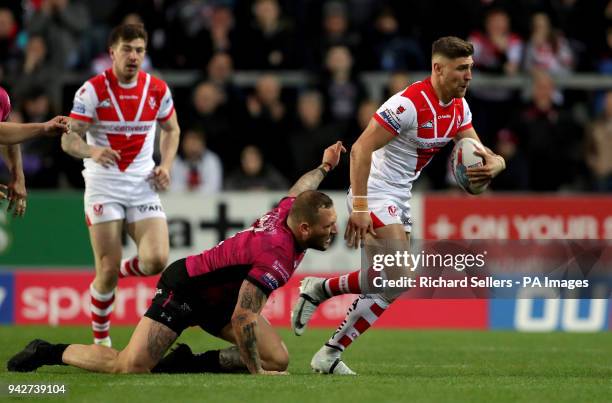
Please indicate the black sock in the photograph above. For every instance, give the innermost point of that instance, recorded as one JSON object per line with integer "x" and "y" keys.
{"x": 208, "y": 361}
{"x": 55, "y": 353}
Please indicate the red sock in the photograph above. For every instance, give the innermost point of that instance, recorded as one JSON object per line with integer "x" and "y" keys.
{"x": 344, "y": 284}
{"x": 101, "y": 308}
{"x": 360, "y": 316}
{"x": 130, "y": 267}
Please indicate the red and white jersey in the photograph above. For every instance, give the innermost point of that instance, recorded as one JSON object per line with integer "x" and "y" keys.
{"x": 422, "y": 125}
{"x": 123, "y": 117}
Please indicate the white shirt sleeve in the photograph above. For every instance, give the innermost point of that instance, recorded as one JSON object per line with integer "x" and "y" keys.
{"x": 466, "y": 123}
{"x": 85, "y": 102}
{"x": 396, "y": 114}
{"x": 166, "y": 106}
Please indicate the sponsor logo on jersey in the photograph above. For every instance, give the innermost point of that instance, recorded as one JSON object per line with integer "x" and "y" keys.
{"x": 270, "y": 280}
{"x": 427, "y": 125}
{"x": 106, "y": 103}
{"x": 444, "y": 116}
{"x": 152, "y": 102}
{"x": 98, "y": 209}
{"x": 389, "y": 117}
{"x": 78, "y": 107}
{"x": 400, "y": 109}
{"x": 278, "y": 267}
{"x": 128, "y": 96}
{"x": 144, "y": 208}
{"x": 429, "y": 143}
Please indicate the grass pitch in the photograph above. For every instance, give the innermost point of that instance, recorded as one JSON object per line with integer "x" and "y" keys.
{"x": 393, "y": 366}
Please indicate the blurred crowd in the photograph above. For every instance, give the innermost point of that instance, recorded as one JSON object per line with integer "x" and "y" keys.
{"x": 264, "y": 136}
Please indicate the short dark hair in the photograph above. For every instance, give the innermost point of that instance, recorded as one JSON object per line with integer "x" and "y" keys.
{"x": 307, "y": 204}
{"x": 452, "y": 47}
{"x": 127, "y": 32}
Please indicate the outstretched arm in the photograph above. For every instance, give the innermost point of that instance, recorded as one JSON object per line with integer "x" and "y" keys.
{"x": 311, "y": 180}
{"x": 15, "y": 133}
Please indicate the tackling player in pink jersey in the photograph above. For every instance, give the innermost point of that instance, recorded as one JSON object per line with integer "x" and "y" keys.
{"x": 11, "y": 134}
{"x": 222, "y": 290}
{"x": 118, "y": 111}
{"x": 402, "y": 137}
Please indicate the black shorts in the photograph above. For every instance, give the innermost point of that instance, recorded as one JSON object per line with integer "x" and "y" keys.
{"x": 178, "y": 305}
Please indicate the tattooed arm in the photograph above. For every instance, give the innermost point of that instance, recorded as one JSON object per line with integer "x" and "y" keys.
{"x": 312, "y": 179}
{"x": 244, "y": 323}
{"x": 73, "y": 143}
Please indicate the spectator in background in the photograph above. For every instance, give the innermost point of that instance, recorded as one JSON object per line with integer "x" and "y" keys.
{"x": 63, "y": 23}
{"x": 311, "y": 134}
{"x": 599, "y": 148}
{"x": 336, "y": 32}
{"x": 398, "y": 81}
{"x": 516, "y": 175}
{"x": 268, "y": 44}
{"x": 255, "y": 174}
{"x": 267, "y": 125}
{"x": 340, "y": 87}
{"x": 9, "y": 52}
{"x": 208, "y": 112}
{"x": 547, "y": 48}
{"x": 604, "y": 61}
{"x": 222, "y": 32}
{"x": 40, "y": 156}
{"x": 551, "y": 137}
{"x": 197, "y": 169}
{"x": 387, "y": 49}
{"x": 220, "y": 71}
{"x": 35, "y": 71}
{"x": 497, "y": 50}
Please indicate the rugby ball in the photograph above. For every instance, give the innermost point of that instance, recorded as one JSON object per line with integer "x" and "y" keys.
{"x": 462, "y": 158}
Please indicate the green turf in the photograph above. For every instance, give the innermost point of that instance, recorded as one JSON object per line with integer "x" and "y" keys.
{"x": 400, "y": 366}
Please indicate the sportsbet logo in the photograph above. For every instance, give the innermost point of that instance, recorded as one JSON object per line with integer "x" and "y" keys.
{"x": 64, "y": 299}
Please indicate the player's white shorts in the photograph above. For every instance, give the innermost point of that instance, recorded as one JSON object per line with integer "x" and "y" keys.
{"x": 109, "y": 199}
{"x": 385, "y": 209}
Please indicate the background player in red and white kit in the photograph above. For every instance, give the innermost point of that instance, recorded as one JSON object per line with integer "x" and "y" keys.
{"x": 223, "y": 290}
{"x": 402, "y": 137}
{"x": 118, "y": 111}
{"x": 11, "y": 134}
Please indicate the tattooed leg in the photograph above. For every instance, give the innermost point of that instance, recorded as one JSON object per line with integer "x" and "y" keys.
{"x": 148, "y": 344}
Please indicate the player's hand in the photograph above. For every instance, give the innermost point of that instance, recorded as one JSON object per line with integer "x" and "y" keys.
{"x": 56, "y": 126}
{"x": 331, "y": 155}
{"x": 105, "y": 156}
{"x": 160, "y": 178}
{"x": 17, "y": 196}
{"x": 493, "y": 165}
{"x": 359, "y": 224}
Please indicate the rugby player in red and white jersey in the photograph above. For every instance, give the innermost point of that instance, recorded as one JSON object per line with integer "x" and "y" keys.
{"x": 222, "y": 290}
{"x": 402, "y": 137}
{"x": 11, "y": 134}
{"x": 118, "y": 111}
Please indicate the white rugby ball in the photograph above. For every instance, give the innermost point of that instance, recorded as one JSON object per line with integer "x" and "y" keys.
{"x": 462, "y": 158}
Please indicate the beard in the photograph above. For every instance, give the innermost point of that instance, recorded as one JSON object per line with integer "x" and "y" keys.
{"x": 321, "y": 244}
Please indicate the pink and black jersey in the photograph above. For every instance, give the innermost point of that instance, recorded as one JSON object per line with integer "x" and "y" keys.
{"x": 265, "y": 254}
{"x": 422, "y": 125}
{"x": 123, "y": 117}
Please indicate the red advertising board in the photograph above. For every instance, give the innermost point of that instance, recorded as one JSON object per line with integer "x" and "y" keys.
{"x": 517, "y": 217}
{"x": 62, "y": 297}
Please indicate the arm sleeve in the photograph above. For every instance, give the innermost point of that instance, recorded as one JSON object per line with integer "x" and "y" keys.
{"x": 84, "y": 104}
{"x": 466, "y": 122}
{"x": 396, "y": 114}
{"x": 270, "y": 271}
{"x": 166, "y": 106}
